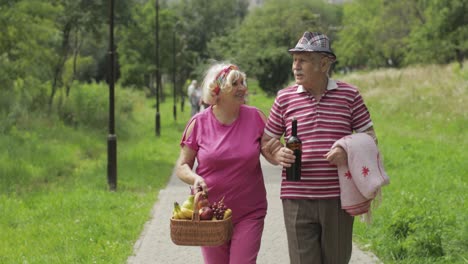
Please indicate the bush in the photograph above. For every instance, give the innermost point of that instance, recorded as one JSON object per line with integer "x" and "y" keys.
{"x": 88, "y": 106}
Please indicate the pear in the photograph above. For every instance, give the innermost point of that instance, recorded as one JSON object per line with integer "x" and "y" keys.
{"x": 189, "y": 202}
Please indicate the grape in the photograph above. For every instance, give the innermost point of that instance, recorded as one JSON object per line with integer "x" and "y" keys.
{"x": 218, "y": 209}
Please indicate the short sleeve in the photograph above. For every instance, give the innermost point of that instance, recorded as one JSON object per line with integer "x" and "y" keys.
{"x": 275, "y": 124}
{"x": 190, "y": 139}
{"x": 360, "y": 114}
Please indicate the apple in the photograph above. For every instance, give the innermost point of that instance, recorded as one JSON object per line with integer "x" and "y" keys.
{"x": 203, "y": 201}
{"x": 206, "y": 213}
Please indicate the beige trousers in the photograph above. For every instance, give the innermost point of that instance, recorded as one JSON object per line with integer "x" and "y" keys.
{"x": 318, "y": 231}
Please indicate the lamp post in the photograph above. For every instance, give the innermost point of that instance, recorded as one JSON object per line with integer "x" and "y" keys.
{"x": 174, "y": 83}
{"x": 111, "y": 138}
{"x": 158, "y": 74}
{"x": 182, "y": 99}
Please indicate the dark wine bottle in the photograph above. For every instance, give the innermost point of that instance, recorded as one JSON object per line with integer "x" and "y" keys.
{"x": 293, "y": 173}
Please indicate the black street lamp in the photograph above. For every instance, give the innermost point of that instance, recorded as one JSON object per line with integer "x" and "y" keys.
{"x": 182, "y": 98}
{"x": 174, "y": 110}
{"x": 111, "y": 138}
{"x": 158, "y": 74}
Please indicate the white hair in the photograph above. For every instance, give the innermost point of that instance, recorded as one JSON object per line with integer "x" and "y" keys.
{"x": 210, "y": 83}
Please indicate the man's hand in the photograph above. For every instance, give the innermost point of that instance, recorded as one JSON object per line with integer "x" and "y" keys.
{"x": 285, "y": 157}
{"x": 275, "y": 153}
{"x": 337, "y": 156}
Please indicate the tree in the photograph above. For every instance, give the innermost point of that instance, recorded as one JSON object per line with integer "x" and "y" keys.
{"x": 138, "y": 48}
{"x": 26, "y": 52}
{"x": 358, "y": 44}
{"x": 203, "y": 21}
{"x": 77, "y": 18}
{"x": 442, "y": 34}
{"x": 260, "y": 45}
{"x": 396, "y": 33}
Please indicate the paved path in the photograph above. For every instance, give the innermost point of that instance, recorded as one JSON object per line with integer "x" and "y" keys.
{"x": 155, "y": 246}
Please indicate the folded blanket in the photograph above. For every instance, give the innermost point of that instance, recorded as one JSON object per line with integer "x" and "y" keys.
{"x": 362, "y": 178}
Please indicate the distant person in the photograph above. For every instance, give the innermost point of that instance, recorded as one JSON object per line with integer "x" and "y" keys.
{"x": 195, "y": 100}
{"x": 194, "y": 97}
{"x": 318, "y": 229}
{"x": 225, "y": 140}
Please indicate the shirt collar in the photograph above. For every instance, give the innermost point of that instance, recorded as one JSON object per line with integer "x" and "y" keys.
{"x": 330, "y": 86}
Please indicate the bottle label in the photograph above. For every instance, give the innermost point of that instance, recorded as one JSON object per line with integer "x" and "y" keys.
{"x": 294, "y": 146}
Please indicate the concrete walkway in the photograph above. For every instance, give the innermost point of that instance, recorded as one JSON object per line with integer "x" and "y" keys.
{"x": 155, "y": 245}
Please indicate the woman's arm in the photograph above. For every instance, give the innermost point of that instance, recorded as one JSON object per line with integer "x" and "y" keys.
{"x": 273, "y": 151}
{"x": 184, "y": 165}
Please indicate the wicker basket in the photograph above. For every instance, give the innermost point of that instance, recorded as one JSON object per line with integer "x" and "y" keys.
{"x": 198, "y": 232}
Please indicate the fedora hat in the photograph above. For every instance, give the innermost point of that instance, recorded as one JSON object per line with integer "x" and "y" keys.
{"x": 313, "y": 42}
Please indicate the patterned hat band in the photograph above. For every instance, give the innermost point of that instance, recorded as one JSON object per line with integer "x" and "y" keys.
{"x": 313, "y": 42}
{"x": 221, "y": 77}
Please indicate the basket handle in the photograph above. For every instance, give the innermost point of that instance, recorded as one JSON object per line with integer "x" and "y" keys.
{"x": 196, "y": 216}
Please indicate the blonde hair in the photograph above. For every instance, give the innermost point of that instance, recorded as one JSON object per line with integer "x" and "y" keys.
{"x": 211, "y": 81}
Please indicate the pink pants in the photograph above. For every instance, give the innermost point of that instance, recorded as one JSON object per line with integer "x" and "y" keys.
{"x": 243, "y": 247}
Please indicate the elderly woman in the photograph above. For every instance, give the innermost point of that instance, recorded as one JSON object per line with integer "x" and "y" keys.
{"x": 225, "y": 140}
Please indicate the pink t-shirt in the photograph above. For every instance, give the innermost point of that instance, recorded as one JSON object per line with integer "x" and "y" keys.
{"x": 228, "y": 159}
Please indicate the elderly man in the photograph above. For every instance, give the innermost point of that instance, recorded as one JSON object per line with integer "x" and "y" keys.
{"x": 318, "y": 230}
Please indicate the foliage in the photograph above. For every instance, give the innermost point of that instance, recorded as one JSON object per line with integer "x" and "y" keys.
{"x": 78, "y": 68}
{"x": 442, "y": 34}
{"x": 88, "y": 106}
{"x": 261, "y": 42}
{"x": 28, "y": 32}
{"x": 204, "y": 21}
{"x": 136, "y": 54}
{"x": 397, "y": 33}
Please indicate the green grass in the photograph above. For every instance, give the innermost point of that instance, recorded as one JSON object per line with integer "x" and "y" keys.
{"x": 421, "y": 120}
{"x": 56, "y": 208}
{"x": 54, "y": 200}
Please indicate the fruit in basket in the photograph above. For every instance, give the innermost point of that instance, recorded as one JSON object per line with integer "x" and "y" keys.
{"x": 176, "y": 213}
{"x": 189, "y": 202}
{"x": 206, "y": 213}
{"x": 203, "y": 201}
{"x": 218, "y": 209}
{"x": 186, "y": 213}
{"x": 227, "y": 213}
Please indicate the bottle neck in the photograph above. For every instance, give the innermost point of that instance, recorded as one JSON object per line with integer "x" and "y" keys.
{"x": 294, "y": 128}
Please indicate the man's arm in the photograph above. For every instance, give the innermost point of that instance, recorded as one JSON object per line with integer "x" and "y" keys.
{"x": 338, "y": 156}
{"x": 269, "y": 147}
{"x": 371, "y": 132}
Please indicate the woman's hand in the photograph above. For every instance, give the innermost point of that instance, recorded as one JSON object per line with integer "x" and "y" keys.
{"x": 199, "y": 184}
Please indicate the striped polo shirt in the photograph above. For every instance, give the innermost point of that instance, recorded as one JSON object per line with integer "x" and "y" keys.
{"x": 340, "y": 112}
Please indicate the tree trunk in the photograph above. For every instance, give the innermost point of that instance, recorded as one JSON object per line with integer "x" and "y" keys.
{"x": 61, "y": 62}
{"x": 76, "y": 51}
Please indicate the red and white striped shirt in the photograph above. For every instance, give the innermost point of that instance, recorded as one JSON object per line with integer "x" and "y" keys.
{"x": 339, "y": 112}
